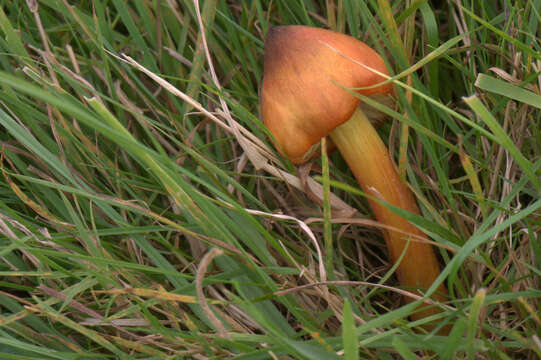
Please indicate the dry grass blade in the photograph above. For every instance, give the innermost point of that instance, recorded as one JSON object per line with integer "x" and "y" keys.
{"x": 201, "y": 272}
{"x": 261, "y": 156}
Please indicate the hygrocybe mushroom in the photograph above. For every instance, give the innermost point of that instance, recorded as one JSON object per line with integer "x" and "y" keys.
{"x": 303, "y": 100}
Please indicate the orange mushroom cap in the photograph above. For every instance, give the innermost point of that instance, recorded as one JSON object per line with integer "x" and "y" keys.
{"x": 302, "y": 98}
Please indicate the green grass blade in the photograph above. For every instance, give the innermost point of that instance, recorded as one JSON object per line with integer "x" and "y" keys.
{"x": 506, "y": 89}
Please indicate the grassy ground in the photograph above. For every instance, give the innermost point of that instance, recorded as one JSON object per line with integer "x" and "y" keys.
{"x": 145, "y": 214}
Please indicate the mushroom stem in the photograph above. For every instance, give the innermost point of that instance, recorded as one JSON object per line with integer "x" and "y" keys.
{"x": 369, "y": 160}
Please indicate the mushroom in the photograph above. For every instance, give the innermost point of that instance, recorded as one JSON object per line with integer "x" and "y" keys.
{"x": 303, "y": 99}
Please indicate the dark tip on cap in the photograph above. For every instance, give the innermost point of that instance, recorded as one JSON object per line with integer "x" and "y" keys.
{"x": 272, "y": 32}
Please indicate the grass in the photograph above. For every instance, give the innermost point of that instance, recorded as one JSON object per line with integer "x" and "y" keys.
{"x": 144, "y": 213}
